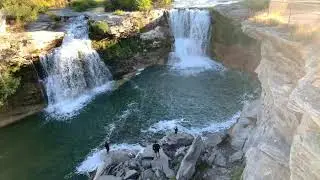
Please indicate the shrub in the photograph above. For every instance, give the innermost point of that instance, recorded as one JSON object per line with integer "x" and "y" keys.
{"x": 118, "y": 12}
{"x": 82, "y": 5}
{"x": 143, "y": 5}
{"x": 8, "y": 85}
{"x": 98, "y": 29}
{"x": 129, "y": 5}
{"x": 28, "y": 10}
{"x": 256, "y": 5}
{"x": 162, "y": 3}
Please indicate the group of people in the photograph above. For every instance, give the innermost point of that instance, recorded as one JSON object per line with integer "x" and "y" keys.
{"x": 155, "y": 147}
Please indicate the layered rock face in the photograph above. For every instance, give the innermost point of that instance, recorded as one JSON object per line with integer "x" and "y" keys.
{"x": 18, "y": 56}
{"x": 285, "y": 142}
{"x": 229, "y": 44}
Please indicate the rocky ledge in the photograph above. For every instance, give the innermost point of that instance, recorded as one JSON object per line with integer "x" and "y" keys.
{"x": 182, "y": 157}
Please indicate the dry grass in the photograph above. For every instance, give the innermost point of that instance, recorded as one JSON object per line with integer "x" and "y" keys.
{"x": 272, "y": 19}
{"x": 305, "y": 32}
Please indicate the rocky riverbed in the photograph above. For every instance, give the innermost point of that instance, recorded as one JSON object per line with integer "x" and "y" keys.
{"x": 212, "y": 156}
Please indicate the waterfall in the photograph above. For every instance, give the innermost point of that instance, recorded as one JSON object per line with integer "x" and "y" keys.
{"x": 74, "y": 72}
{"x": 191, "y": 31}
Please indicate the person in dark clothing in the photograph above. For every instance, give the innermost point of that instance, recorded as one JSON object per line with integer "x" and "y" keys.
{"x": 106, "y": 145}
{"x": 176, "y": 130}
{"x": 156, "y": 149}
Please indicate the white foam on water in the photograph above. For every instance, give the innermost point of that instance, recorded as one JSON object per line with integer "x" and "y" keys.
{"x": 74, "y": 72}
{"x": 96, "y": 157}
{"x": 200, "y": 3}
{"x": 191, "y": 31}
{"x": 169, "y": 125}
{"x": 71, "y": 107}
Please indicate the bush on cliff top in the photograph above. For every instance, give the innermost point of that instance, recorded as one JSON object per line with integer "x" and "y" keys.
{"x": 133, "y": 5}
{"x": 98, "y": 29}
{"x": 28, "y": 10}
{"x": 82, "y": 5}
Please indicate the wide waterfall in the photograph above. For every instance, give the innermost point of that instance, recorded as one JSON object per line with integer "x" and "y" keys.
{"x": 74, "y": 71}
{"x": 190, "y": 28}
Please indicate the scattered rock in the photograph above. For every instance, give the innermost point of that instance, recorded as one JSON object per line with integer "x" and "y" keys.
{"x": 156, "y": 33}
{"x": 131, "y": 174}
{"x": 237, "y": 156}
{"x": 187, "y": 167}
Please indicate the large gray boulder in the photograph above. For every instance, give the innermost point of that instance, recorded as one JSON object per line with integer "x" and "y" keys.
{"x": 108, "y": 177}
{"x": 171, "y": 142}
{"x": 113, "y": 158}
{"x": 161, "y": 163}
{"x": 188, "y": 164}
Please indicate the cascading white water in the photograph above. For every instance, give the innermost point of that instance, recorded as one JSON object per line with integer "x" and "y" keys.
{"x": 190, "y": 28}
{"x": 74, "y": 71}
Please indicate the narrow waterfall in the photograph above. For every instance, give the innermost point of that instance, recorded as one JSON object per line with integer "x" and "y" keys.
{"x": 191, "y": 31}
{"x": 74, "y": 71}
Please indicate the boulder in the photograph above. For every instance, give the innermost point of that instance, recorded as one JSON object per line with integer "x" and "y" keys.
{"x": 131, "y": 174}
{"x": 237, "y": 156}
{"x": 220, "y": 160}
{"x": 240, "y": 132}
{"x": 213, "y": 139}
{"x": 148, "y": 175}
{"x": 108, "y": 177}
{"x": 187, "y": 167}
{"x": 171, "y": 142}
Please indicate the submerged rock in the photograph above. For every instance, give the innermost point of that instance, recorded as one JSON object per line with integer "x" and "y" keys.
{"x": 188, "y": 164}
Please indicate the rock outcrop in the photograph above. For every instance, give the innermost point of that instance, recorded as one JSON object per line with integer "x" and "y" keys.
{"x": 18, "y": 56}
{"x": 188, "y": 164}
{"x": 229, "y": 44}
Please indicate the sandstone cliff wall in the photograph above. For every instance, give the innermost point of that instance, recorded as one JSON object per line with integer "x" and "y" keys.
{"x": 282, "y": 139}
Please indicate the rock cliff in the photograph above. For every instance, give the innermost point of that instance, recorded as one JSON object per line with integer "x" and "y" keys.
{"x": 282, "y": 139}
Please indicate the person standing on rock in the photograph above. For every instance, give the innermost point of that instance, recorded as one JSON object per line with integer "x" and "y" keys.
{"x": 176, "y": 130}
{"x": 106, "y": 145}
{"x": 156, "y": 149}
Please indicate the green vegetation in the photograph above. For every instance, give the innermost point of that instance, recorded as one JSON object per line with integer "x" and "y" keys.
{"x": 27, "y": 10}
{"x": 144, "y": 5}
{"x": 133, "y": 5}
{"x": 119, "y": 12}
{"x": 236, "y": 173}
{"x": 98, "y": 29}
{"x": 256, "y": 5}
{"x": 112, "y": 50}
{"x": 83, "y": 5}
{"x": 8, "y": 85}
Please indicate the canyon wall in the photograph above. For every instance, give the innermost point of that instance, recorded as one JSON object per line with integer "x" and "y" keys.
{"x": 282, "y": 141}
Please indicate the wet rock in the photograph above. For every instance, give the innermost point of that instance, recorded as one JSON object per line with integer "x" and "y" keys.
{"x": 220, "y": 160}
{"x": 187, "y": 167}
{"x": 237, "y": 156}
{"x": 161, "y": 175}
{"x": 131, "y": 174}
